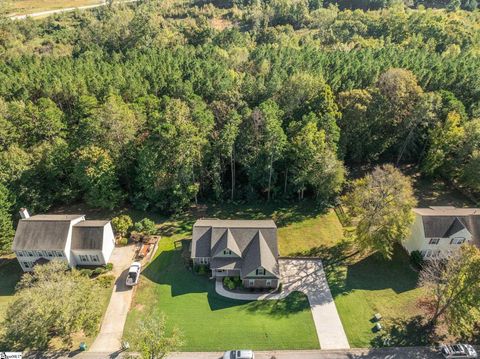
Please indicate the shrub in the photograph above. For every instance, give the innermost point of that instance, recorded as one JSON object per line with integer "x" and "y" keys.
{"x": 229, "y": 283}
{"x": 146, "y": 226}
{"x": 109, "y": 266}
{"x": 280, "y": 286}
{"x": 106, "y": 281}
{"x": 122, "y": 241}
{"x": 99, "y": 270}
{"x": 202, "y": 269}
{"x": 122, "y": 224}
{"x": 417, "y": 259}
{"x": 86, "y": 272}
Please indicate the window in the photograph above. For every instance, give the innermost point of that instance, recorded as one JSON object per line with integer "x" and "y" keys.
{"x": 30, "y": 254}
{"x": 20, "y": 253}
{"x": 260, "y": 271}
{"x": 58, "y": 254}
{"x": 227, "y": 252}
{"x": 83, "y": 258}
{"x": 457, "y": 240}
{"x": 49, "y": 254}
{"x": 268, "y": 283}
{"x": 203, "y": 260}
{"x": 27, "y": 265}
{"x": 434, "y": 240}
{"x": 94, "y": 258}
{"x": 251, "y": 282}
{"x": 39, "y": 254}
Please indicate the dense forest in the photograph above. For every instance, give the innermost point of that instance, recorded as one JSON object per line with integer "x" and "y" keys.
{"x": 159, "y": 104}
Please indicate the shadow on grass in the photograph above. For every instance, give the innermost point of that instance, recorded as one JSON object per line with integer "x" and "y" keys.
{"x": 294, "y": 303}
{"x": 373, "y": 273}
{"x": 168, "y": 269}
{"x": 401, "y": 332}
{"x": 10, "y": 274}
{"x": 283, "y": 213}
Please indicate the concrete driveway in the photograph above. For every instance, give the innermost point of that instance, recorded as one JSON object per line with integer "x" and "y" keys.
{"x": 307, "y": 276}
{"x": 110, "y": 337}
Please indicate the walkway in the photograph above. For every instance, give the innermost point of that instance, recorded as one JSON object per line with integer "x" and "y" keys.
{"x": 110, "y": 336}
{"x": 306, "y": 276}
{"x": 58, "y": 11}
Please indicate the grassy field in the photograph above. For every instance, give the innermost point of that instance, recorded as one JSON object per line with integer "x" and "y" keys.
{"x": 10, "y": 273}
{"x": 375, "y": 285}
{"x": 18, "y": 7}
{"x": 302, "y": 227}
{"x": 210, "y": 322}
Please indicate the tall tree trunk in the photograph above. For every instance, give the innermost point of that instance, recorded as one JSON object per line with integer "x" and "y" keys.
{"x": 232, "y": 170}
{"x": 270, "y": 177}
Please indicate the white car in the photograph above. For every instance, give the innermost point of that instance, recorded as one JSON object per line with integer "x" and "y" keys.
{"x": 458, "y": 351}
{"x": 133, "y": 274}
{"x": 239, "y": 354}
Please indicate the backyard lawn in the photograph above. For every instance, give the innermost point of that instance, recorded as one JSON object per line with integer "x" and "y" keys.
{"x": 10, "y": 274}
{"x": 210, "y": 322}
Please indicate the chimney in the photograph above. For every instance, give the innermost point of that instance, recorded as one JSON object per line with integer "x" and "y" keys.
{"x": 24, "y": 213}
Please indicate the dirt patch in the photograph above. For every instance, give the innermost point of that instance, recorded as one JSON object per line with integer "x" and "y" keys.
{"x": 221, "y": 24}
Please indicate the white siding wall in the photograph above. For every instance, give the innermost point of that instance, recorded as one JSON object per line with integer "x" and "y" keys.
{"x": 68, "y": 244}
{"x": 418, "y": 242}
{"x": 108, "y": 242}
{"x": 90, "y": 256}
{"x": 24, "y": 257}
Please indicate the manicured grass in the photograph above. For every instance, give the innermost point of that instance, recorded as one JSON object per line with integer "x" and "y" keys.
{"x": 210, "y": 322}
{"x": 303, "y": 228}
{"x": 10, "y": 274}
{"x": 375, "y": 285}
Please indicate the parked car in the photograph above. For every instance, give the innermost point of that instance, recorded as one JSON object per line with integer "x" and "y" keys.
{"x": 133, "y": 274}
{"x": 239, "y": 354}
{"x": 458, "y": 351}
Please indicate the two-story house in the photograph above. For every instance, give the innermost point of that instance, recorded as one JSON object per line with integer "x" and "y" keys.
{"x": 438, "y": 230}
{"x": 243, "y": 248}
{"x": 67, "y": 237}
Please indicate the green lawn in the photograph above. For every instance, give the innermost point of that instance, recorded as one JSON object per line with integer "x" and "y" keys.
{"x": 213, "y": 323}
{"x": 302, "y": 227}
{"x": 10, "y": 274}
{"x": 375, "y": 285}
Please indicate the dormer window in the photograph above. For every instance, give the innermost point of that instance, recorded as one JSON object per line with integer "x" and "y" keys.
{"x": 457, "y": 240}
{"x": 227, "y": 252}
{"x": 434, "y": 240}
{"x": 260, "y": 271}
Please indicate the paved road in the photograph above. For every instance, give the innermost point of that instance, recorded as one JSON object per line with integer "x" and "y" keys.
{"x": 110, "y": 336}
{"x": 389, "y": 353}
{"x": 307, "y": 276}
{"x": 58, "y": 11}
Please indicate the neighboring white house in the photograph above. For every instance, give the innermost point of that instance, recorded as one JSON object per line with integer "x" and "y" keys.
{"x": 438, "y": 230}
{"x": 66, "y": 237}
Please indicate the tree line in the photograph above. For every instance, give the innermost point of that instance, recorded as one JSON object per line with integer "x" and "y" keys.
{"x": 161, "y": 104}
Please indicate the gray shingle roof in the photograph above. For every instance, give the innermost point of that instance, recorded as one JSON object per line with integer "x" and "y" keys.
{"x": 43, "y": 232}
{"x": 443, "y": 222}
{"x": 254, "y": 241}
{"x": 258, "y": 254}
{"x": 88, "y": 235}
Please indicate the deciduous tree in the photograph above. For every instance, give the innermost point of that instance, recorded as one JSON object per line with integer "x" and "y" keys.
{"x": 382, "y": 202}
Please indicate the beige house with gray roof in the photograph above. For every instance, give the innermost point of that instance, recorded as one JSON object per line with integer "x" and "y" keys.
{"x": 247, "y": 249}
{"x": 439, "y": 230}
{"x": 65, "y": 237}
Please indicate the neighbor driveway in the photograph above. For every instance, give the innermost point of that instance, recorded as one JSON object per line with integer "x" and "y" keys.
{"x": 306, "y": 276}
{"x": 110, "y": 337}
